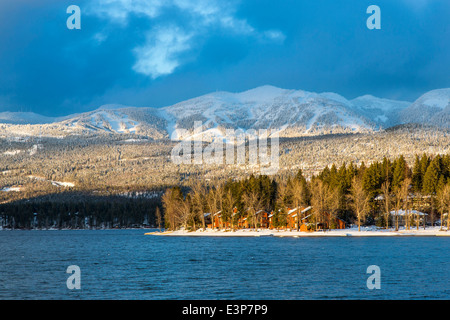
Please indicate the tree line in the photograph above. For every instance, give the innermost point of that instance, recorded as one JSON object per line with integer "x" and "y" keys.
{"x": 359, "y": 194}
{"x": 81, "y": 211}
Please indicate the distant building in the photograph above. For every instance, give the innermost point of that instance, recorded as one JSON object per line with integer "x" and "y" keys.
{"x": 402, "y": 216}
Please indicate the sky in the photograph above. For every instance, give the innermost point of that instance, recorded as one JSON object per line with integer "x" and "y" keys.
{"x": 154, "y": 53}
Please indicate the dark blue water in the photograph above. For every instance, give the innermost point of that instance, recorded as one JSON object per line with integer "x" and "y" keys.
{"x": 125, "y": 264}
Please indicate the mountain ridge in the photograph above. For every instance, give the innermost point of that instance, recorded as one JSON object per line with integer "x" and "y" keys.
{"x": 296, "y": 112}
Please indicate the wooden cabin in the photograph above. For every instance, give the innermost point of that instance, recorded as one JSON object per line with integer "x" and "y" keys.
{"x": 237, "y": 220}
{"x": 208, "y": 220}
{"x": 292, "y": 218}
{"x": 216, "y": 221}
{"x": 402, "y": 217}
{"x": 245, "y": 223}
{"x": 262, "y": 218}
{"x": 328, "y": 222}
{"x": 240, "y": 223}
{"x": 266, "y": 220}
{"x": 304, "y": 228}
{"x": 270, "y": 219}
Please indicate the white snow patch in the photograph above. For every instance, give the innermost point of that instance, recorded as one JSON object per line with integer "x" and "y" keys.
{"x": 115, "y": 121}
{"x": 12, "y": 152}
{"x": 11, "y": 189}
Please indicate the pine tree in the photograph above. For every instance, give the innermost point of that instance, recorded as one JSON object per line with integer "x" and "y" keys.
{"x": 399, "y": 173}
{"x": 359, "y": 200}
{"x": 372, "y": 180}
{"x": 417, "y": 175}
{"x": 386, "y": 170}
{"x": 431, "y": 177}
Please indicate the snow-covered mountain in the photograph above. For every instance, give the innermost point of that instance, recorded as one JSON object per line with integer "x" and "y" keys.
{"x": 383, "y": 112}
{"x": 432, "y": 108}
{"x": 291, "y": 112}
{"x": 117, "y": 119}
{"x": 25, "y": 118}
{"x": 295, "y": 112}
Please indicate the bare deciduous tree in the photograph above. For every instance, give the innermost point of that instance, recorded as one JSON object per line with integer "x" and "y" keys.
{"x": 297, "y": 190}
{"x": 334, "y": 205}
{"x": 398, "y": 198}
{"x": 319, "y": 200}
{"x": 197, "y": 196}
{"x": 404, "y": 191}
{"x": 385, "y": 189}
{"x": 252, "y": 204}
{"x": 170, "y": 204}
{"x": 443, "y": 198}
{"x": 282, "y": 194}
{"x": 359, "y": 200}
{"x": 158, "y": 218}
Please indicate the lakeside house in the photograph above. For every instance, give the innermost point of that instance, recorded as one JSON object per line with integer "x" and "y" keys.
{"x": 403, "y": 215}
{"x": 330, "y": 222}
{"x": 295, "y": 219}
{"x": 270, "y": 219}
{"x": 213, "y": 221}
{"x": 262, "y": 217}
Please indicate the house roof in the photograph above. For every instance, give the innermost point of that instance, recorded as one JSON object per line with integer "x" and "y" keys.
{"x": 302, "y": 211}
{"x": 306, "y": 209}
{"x": 402, "y": 213}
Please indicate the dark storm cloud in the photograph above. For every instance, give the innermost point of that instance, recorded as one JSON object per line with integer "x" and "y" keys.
{"x": 155, "y": 53}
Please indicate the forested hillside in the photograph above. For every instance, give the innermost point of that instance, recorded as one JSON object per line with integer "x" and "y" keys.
{"x": 52, "y": 172}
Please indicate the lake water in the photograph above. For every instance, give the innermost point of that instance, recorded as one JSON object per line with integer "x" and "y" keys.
{"x": 125, "y": 264}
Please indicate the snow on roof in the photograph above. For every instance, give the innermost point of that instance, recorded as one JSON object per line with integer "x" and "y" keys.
{"x": 307, "y": 216}
{"x": 402, "y": 213}
{"x": 302, "y": 211}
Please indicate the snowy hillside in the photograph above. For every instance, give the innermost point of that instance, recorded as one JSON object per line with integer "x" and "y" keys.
{"x": 24, "y": 118}
{"x": 296, "y": 112}
{"x": 108, "y": 119}
{"x": 432, "y": 108}
{"x": 383, "y": 112}
{"x": 292, "y": 112}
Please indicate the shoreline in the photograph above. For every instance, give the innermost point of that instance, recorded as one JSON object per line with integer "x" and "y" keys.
{"x": 350, "y": 232}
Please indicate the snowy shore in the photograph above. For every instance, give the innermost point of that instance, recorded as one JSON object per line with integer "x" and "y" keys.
{"x": 350, "y": 232}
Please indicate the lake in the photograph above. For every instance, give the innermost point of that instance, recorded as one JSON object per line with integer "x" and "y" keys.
{"x": 126, "y": 264}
